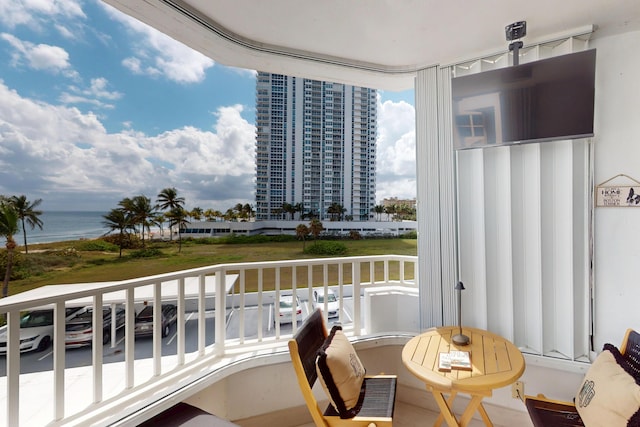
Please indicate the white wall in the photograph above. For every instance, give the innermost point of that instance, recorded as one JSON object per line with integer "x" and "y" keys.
{"x": 617, "y": 150}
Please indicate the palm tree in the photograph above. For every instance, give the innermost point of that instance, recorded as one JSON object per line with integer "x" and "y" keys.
{"x": 289, "y": 209}
{"x": 142, "y": 212}
{"x": 299, "y": 208}
{"x": 315, "y": 227}
{"x": 168, "y": 199}
{"x": 335, "y": 211}
{"x": 121, "y": 221}
{"x": 209, "y": 215}
{"x": 229, "y": 215}
{"x": 248, "y": 211}
{"x": 302, "y": 231}
{"x": 27, "y": 212}
{"x": 379, "y": 210}
{"x": 8, "y": 227}
{"x": 196, "y": 213}
{"x": 178, "y": 216}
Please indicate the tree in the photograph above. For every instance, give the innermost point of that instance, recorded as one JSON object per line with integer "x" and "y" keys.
{"x": 335, "y": 211}
{"x": 390, "y": 210}
{"x": 379, "y": 210}
{"x": 299, "y": 208}
{"x": 178, "y": 217}
{"x": 302, "y": 231}
{"x": 168, "y": 199}
{"x": 315, "y": 227}
{"x": 290, "y": 209}
{"x": 142, "y": 212}
{"x": 121, "y": 221}
{"x": 210, "y": 215}
{"x": 9, "y": 221}
{"x": 196, "y": 213}
{"x": 28, "y": 213}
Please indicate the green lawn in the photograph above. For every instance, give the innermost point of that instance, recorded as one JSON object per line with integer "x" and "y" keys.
{"x": 62, "y": 263}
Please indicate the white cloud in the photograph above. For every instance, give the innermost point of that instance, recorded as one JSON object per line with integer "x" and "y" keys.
{"x": 93, "y": 95}
{"x": 156, "y": 53}
{"x": 396, "y": 151}
{"x": 69, "y": 160}
{"x": 33, "y": 12}
{"x": 42, "y": 57}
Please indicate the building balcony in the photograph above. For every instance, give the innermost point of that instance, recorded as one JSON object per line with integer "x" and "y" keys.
{"x": 229, "y": 350}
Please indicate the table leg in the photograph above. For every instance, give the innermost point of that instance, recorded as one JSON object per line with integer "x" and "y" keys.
{"x": 445, "y": 410}
{"x": 485, "y": 416}
{"x": 475, "y": 404}
{"x": 450, "y": 400}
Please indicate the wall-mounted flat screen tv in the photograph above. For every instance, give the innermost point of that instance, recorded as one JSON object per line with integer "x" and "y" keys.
{"x": 545, "y": 100}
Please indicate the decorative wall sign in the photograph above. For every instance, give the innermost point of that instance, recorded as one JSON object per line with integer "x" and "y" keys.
{"x": 618, "y": 195}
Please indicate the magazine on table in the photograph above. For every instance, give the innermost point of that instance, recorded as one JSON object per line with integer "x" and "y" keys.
{"x": 458, "y": 360}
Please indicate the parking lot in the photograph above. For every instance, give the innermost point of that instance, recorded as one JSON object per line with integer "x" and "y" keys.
{"x": 75, "y": 357}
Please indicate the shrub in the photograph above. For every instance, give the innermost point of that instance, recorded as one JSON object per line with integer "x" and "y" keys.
{"x": 129, "y": 241}
{"x": 326, "y": 247}
{"x": 69, "y": 252}
{"x": 97, "y": 246}
{"x": 355, "y": 235}
{"x": 146, "y": 253}
{"x": 410, "y": 235}
{"x": 259, "y": 238}
{"x": 20, "y": 268}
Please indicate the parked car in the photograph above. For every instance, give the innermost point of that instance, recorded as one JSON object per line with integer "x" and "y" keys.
{"x": 144, "y": 320}
{"x": 79, "y": 329}
{"x": 36, "y": 330}
{"x": 333, "y": 305}
{"x": 286, "y": 312}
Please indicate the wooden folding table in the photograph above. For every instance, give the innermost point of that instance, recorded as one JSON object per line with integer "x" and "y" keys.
{"x": 495, "y": 361}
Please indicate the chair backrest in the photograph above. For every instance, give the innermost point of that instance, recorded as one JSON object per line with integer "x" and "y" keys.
{"x": 630, "y": 348}
{"x": 303, "y": 348}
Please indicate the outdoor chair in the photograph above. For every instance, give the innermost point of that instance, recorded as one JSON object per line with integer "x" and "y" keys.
{"x": 546, "y": 412}
{"x": 376, "y": 409}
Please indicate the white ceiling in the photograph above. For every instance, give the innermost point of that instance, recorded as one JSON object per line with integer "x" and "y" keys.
{"x": 380, "y": 42}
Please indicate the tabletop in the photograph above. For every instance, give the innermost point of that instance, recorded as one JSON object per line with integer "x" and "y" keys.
{"x": 495, "y": 361}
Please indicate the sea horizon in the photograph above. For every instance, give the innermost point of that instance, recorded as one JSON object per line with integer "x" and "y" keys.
{"x": 60, "y": 226}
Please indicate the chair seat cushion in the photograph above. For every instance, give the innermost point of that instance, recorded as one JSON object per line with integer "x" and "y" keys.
{"x": 609, "y": 395}
{"x": 379, "y": 398}
{"x": 341, "y": 373}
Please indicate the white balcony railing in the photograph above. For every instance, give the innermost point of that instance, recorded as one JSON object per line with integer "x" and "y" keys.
{"x": 251, "y": 291}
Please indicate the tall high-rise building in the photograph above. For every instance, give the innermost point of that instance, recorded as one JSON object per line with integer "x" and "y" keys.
{"x": 315, "y": 148}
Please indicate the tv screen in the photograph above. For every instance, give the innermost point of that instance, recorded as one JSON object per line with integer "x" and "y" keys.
{"x": 544, "y": 100}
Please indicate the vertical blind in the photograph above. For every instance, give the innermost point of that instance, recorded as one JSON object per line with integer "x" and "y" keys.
{"x": 523, "y": 216}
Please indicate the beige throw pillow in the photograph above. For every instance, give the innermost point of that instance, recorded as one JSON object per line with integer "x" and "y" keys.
{"x": 609, "y": 396}
{"x": 341, "y": 373}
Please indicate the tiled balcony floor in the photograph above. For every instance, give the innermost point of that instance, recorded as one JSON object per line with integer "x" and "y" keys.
{"x": 407, "y": 415}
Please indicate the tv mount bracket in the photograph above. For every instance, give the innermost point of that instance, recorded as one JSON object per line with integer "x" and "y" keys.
{"x": 514, "y": 32}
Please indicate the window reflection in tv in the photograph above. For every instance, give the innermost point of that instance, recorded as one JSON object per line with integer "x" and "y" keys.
{"x": 544, "y": 100}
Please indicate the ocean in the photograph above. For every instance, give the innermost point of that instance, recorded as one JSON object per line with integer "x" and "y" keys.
{"x": 59, "y": 226}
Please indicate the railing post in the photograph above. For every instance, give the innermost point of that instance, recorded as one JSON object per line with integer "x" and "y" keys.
{"x": 129, "y": 338}
{"x": 13, "y": 368}
{"x": 59, "y": 314}
{"x": 220, "y": 312}
{"x": 181, "y": 322}
{"x": 357, "y": 306}
{"x": 242, "y": 304}
{"x": 96, "y": 349}
{"x": 202, "y": 307}
{"x": 157, "y": 329}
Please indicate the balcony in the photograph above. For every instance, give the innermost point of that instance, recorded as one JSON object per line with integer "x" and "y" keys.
{"x": 241, "y": 355}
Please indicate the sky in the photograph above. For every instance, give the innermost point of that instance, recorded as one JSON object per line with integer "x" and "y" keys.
{"x": 96, "y": 106}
